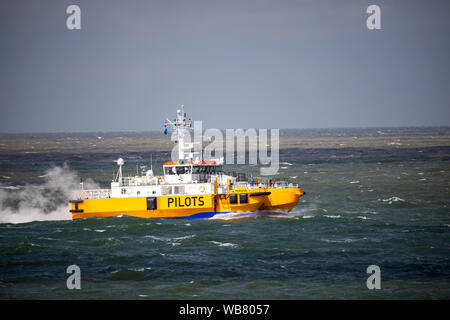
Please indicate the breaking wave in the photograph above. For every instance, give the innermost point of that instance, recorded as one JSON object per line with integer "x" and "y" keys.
{"x": 48, "y": 201}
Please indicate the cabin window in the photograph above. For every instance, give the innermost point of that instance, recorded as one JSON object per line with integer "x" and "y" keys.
{"x": 178, "y": 190}
{"x": 151, "y": 203}
{"x": 243, "y": 198}
{"x": 233, "y": 198}
{"x": 166, "y": 190}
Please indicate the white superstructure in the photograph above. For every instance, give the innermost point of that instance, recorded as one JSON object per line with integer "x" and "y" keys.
{"x": 188, "y": 176}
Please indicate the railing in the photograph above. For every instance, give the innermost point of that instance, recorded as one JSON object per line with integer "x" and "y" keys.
{"x": 94, "y": 194}
{"x": 276, "y": 184}
{"x": 136, "y": 181}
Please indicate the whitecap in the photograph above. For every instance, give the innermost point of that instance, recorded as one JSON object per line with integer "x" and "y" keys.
{"x": 33, "y": 200}
{"x": 11, "y": 187}
{"x": 345, "y": 240}
{"x": 157, "y": 238}
{"x": 46, "y": 238}
{"x": 355, "y": 181}
{"x": 185, "y": 237}
{"x": 171, "y": 240}
{"x": 393, "y": 199}
{"x": 224, "y": 244}
{"x": 332, "y": 217}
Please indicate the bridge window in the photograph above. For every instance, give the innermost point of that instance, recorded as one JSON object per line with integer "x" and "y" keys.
{"x": 183, "y": 170}
{"x": 198, "y": 169}
{"x": 168, "y": 170}
{"x": 207, "y": 169}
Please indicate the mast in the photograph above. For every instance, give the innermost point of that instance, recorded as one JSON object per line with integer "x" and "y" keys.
{"x": 182, "y": 126}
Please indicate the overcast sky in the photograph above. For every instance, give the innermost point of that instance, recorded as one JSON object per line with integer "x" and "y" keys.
{"x": 232, "y": 63}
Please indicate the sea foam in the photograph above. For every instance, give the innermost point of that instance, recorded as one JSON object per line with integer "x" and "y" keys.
{"x": 48, "y": 201}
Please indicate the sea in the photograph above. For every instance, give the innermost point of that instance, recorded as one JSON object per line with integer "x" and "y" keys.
{"x": 374, "y": 197}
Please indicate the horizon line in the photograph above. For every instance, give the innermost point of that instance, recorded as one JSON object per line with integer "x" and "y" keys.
{"x": 154, "y": 131}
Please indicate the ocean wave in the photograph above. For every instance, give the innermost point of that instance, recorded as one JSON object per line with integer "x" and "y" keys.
{"x": 169, "y": 239}
{"x": 392, "y": 200}
{"x": 128, "y": 274}
{"x": 185, "y": 237}
{"x": 11, "y": 187}
{"x": 45, "y": 202}
{"x": 225, "y": 244}
{"x": 344, "y": 240}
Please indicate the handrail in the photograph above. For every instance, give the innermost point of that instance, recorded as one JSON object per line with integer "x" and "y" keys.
{"x": 94, "y": 194}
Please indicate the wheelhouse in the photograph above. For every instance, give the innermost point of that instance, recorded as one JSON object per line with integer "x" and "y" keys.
{"x": 203, "y": 167}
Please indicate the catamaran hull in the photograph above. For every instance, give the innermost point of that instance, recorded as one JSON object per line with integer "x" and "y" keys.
{"x": 200, "y": 206}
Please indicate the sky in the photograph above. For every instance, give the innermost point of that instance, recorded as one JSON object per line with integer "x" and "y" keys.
{"x": 233, "y": 64}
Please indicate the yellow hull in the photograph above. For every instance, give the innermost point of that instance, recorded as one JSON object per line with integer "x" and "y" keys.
{"x": 189, "y": 207}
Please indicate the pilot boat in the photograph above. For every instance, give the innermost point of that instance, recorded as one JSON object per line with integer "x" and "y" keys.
{"x": 189, "y": 188}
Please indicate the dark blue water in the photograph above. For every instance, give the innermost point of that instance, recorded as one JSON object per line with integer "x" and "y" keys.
{"x": 364, "y": 206}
